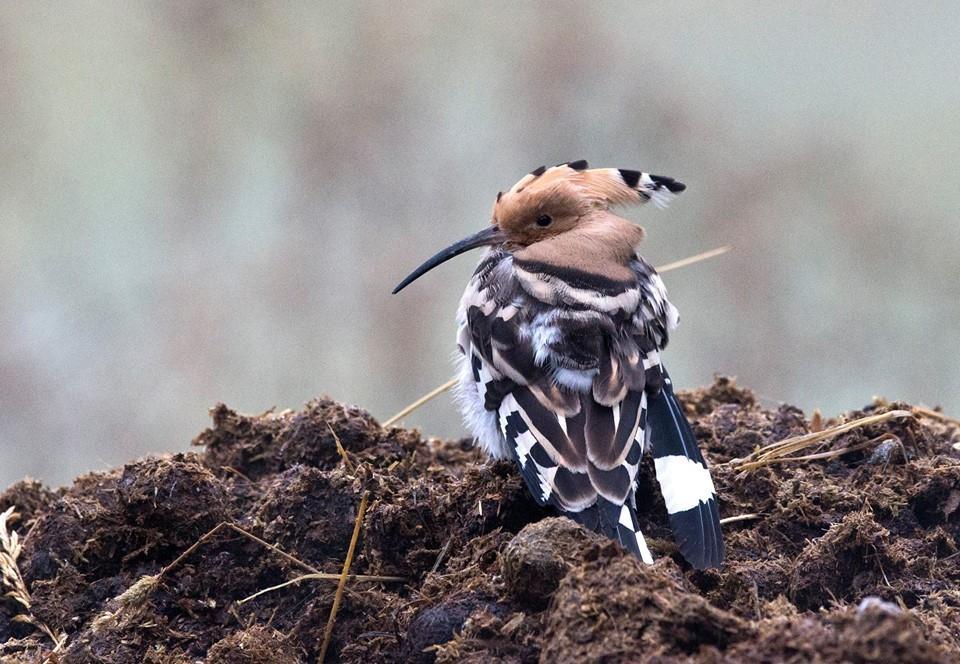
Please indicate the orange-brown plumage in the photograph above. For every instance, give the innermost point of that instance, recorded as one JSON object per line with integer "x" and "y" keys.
{"x": 581, "y": 230}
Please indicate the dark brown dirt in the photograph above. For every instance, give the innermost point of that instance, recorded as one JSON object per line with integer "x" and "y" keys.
{"x": 852, "y": 559}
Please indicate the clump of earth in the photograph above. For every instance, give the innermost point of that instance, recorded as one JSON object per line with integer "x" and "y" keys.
{"x": 853, "y": 557}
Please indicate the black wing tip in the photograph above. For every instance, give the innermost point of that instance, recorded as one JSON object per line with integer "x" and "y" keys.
{"x": 698, "y": 535}
{"x": 603, "y": 517}
{"x": 713, "y": 557}
{"x": 696, "y": 530}
{"x": 713, "y": 562}
{"x": 672, "y": 185}
{"x": 578, "y": 165}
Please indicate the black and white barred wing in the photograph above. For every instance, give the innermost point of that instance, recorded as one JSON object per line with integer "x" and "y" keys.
{"x": 570, "y": 385}
{"x": 584, "y": 464}
{"x": 546, "y": 385}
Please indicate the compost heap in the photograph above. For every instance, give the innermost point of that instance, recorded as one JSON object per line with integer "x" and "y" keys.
{"x": 854, "y": 557}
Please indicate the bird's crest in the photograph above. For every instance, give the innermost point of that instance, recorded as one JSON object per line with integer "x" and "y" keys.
{"x": 574, "y": 184}
{"x": 534, "y": 218}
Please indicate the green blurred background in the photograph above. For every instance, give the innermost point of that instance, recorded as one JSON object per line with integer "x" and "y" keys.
{"x": 210, "y": 201}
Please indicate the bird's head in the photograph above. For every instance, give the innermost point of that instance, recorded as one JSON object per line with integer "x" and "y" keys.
{"x": 548, "y": 202}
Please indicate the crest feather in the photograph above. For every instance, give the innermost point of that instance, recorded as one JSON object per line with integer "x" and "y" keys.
{"x": 602, "y": 186}
{"x": 620, "y": 186}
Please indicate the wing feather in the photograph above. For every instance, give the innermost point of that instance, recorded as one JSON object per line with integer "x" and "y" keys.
{"x": 576, "y": 392}
{"x": 684, "y": 480}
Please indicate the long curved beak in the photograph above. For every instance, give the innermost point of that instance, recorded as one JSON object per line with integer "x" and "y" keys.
{"x": 487, "y": 236}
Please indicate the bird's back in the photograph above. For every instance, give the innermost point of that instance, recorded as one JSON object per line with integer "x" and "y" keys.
{"x": 561, "y": 371}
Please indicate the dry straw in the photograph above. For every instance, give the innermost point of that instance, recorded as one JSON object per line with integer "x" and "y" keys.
{"x": 779, "y": 452}
{"x": 10, "y": 548}
{"x": 341, "y": 450}
{"x": 740, "y": 517}
{"x": 338, "y": 596}
{"x": 131, "y": 603}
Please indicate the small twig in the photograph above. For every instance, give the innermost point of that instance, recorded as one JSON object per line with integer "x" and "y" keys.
{"x": 440, "y": 556}
{"x": 190, "y": 549}
{"x": 798, "y": 442}
{"x": 127, "y": 604}
{"x": 770, "y": 453}
{"x": 363, "y": 578}
{"x": 273, "y": 547}
{"x": 135, "y": 595}
{"x": 338, "y": 596}
{"x": 341, "y": 450}
{"x": 825, "y": 455}
{"x": 432, "y": 394}
{"x": 935, "y": 415}
{"x": 437, "y": 391}
{"x": 740, "y": 517}
{"x": 876, "y": 555}
{"x": 690, "y": 260}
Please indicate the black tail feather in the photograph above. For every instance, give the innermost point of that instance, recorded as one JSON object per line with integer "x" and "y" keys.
{"x": 684, "y": 480}
{"x": 606, "y": 518}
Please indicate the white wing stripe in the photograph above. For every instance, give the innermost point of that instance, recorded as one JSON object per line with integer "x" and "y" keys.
{"x": 627, "y": 522}
{"x": 684, "y": 482}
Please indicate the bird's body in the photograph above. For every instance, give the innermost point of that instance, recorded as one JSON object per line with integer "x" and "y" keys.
{"x": 560, "y": 331}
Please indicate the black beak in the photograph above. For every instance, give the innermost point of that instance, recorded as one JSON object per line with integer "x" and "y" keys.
{"x": 488, "y": 236}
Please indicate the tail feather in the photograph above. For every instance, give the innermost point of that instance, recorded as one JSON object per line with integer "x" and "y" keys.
{"x": 684, "y": 481}
{"x": 618, "y": 522}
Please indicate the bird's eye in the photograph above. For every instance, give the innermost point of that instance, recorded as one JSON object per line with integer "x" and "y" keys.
{"x": 544, "y": 220}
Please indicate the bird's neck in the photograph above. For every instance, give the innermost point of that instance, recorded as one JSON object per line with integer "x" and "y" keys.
{"x": 601, "y": 244}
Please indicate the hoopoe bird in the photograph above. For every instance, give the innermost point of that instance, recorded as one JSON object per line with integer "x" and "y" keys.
{"x": 560, "y": 332}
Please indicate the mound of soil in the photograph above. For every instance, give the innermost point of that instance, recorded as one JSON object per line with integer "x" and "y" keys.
{"x": 852, "y": 558}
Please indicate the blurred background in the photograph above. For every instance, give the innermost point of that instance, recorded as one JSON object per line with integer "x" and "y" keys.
{"x": 211, "y": 201}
